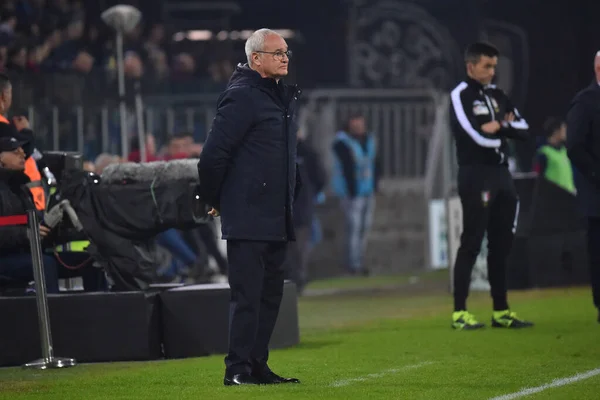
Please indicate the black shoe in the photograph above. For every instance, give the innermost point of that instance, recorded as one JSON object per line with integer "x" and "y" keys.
{"x": 268, "y": 377}
{"x": 240, "y": 379}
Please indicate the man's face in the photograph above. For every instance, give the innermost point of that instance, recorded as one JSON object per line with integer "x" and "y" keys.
{"x": 357, "y": 126}
{"x": 6, "y": 98}
{"x": 483, "y": 70}
{"x": 179, "y": 146}
{"x": 20, "y": 58}
{"x": 13, "y": 160}
{"x": 562, "y": 133}
{"x": 272, "y": 61}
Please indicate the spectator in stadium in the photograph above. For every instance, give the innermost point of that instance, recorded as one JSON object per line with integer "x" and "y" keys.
{"x": 89, "y": 166}
{"x": 248, "y": 173}
{"x": 8, "y": 25}
{"x": 181, "y": 146}
{"x": 184, "y": 258}
{"x": 156, "y": 38}
{"x": 552, "y": 161}
{"x": 70, "y": 54}
{"x": 313, "y": 177}
{"x": 184, "y": 66}
{"x": 135, "y": 154}
{"x": 355, "y": 179}
{"x": 157, "y": 54}
{"x": 17, "y": 57}
{"x": 39, "y": 53}
{"x": 15, "y": 257}
{"x": 133, "y": 65}
{"x": 583, "y": 147}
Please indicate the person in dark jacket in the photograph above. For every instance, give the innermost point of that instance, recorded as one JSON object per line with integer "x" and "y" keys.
{"x": 552, "y": 161}
{"x": 248, "y": 174}
{"x": 482, "y": 118}
{"x": 583, "y": 147}
{"x": 19, "y": 129}
{"x": 15, "y": 199}
{"x": 313, "y": 177}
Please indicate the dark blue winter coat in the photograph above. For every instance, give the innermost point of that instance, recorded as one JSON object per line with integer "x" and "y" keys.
{"x": 248, "y": 165}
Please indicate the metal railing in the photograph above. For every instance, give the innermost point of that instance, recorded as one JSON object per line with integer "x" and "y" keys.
{"x": 93, "y": 130}
{"x": 402, "y": 119}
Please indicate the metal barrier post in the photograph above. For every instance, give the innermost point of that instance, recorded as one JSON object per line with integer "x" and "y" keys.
{"x": 105, "y": 133}
{"x": 48, "y": 360}
{"x": 139, "y": 115}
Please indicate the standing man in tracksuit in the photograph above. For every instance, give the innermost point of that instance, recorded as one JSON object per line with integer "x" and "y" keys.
{"x": 482, "y": 119}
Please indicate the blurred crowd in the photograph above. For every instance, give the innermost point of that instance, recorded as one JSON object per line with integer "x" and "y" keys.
{"x": 40, "y": 37}
{"x": 179, "y": 146}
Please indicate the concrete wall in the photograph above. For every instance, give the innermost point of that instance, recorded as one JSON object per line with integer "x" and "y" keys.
{"x": 397, "y": 241}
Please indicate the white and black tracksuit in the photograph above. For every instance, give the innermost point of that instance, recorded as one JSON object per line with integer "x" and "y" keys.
{"x": 487, "y": 193}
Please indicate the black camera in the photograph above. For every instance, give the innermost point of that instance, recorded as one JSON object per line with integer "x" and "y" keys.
{"x": 60, "y": 162}
{"x": 60, "y": 215}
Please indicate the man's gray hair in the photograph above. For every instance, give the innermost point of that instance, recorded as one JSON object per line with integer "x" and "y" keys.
{"x": 256, "y": 42}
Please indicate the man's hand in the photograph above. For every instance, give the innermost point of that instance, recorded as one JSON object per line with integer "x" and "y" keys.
{"x": 510, "y": 117}
{"x": 491, "y": 127}
{"x": 21, "y": 123}
{"x": 213, "y": 212}
{"x": 44, "y": 231}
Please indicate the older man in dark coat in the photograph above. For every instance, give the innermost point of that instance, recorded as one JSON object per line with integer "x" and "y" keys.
{"x": 248, "y": 174}
{"x": 583, "y": 146}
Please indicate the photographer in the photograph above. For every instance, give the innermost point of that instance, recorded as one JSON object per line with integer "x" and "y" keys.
{"x": 15, "y": 256}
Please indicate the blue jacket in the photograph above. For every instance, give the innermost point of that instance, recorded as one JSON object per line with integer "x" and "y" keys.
{"x": 355, "y": 166}
{"x": 248, "y": 168}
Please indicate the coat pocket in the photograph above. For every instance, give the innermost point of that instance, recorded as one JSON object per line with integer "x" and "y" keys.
{"x": 256, "y": 192}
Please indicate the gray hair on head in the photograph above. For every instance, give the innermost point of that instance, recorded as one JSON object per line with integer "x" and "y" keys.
{"x": 256, "y": 42}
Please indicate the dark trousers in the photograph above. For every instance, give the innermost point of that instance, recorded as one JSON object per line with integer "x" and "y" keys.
{"x": 19, "y": 267}
{"x": 593, "y": 236}
{"x": 256, "y": 278}
{"x": 489, "y": 203}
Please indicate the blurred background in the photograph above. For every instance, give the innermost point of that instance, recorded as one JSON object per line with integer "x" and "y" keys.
{"x": 391, "y": 61}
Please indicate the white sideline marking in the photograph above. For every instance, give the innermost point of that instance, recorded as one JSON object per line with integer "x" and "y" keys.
{"x": 346, "y": 382}
{"x": 553, "y": 384}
